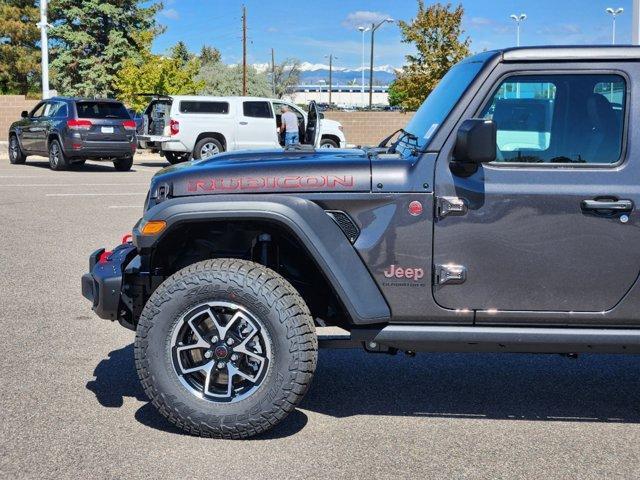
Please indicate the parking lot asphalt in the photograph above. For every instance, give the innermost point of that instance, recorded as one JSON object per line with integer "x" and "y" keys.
{"x": 71, "y": 405}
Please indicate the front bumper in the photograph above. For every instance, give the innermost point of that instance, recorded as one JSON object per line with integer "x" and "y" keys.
{"x": 103, "y": 284}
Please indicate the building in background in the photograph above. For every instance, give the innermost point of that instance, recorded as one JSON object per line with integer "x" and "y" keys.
{"x": 341, "y": 95}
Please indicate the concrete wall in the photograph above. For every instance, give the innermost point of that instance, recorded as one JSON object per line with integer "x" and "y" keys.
{"x": 369, "y": 128}
{"x": 10, "y": 108}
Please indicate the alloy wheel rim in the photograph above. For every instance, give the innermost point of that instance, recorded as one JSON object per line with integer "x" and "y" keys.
{"x": 13, "y": 148}
{"x": 209, "y": 150}
{"x": 220, "y": 352}
{"x": 54, "y": 155}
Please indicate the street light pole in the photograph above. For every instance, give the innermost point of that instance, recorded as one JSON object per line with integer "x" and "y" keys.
{"x": 614, "y": 12}
{"x": 44, "y": 47}
{"x": 518, "y": 19}
{"x": 363, "y": 30}
{"x": 374, "y": 27}
{"x": 635, "y": 34}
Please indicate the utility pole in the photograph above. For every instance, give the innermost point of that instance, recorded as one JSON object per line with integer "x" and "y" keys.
{"x": 374, "y": 27}
{"x": 331, "y": 58}
{"x": 244, "y": 50}
{"x": 273, "y": 71}
{"x": 44, "y": 46}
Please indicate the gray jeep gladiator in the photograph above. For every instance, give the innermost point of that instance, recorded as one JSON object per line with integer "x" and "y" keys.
{"x": 500, "y": 219}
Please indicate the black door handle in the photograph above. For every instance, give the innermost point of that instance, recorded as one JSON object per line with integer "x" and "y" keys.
{"x": 608, "y": 205}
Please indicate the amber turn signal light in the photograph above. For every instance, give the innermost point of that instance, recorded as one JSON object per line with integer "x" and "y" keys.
{"x": 153, "y": 227}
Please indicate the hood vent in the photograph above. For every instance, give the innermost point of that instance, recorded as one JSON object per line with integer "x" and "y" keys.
{"x": 346, "y": 224}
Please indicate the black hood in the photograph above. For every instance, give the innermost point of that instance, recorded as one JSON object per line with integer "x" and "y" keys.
{"x": 269, "y": 171}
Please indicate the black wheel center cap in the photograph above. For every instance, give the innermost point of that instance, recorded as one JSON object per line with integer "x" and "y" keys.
{"x": 220, "y": 351}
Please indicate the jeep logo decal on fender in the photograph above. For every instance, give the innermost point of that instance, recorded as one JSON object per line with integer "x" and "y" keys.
{"x": 409, "y": 273}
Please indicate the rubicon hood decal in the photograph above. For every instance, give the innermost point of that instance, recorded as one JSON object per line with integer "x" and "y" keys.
{"x": 272, "y": 183}
{"x": 271, "y": 172}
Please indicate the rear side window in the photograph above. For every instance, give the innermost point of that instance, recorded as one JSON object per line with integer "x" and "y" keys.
{"x": 257, "y": 109}
{"x": 204, "y": 107}
{"x": 566, "y": 119}
{"x": 102, "y": 110}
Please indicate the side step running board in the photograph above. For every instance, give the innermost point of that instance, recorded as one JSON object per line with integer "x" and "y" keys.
{"x": 502, "y": 339}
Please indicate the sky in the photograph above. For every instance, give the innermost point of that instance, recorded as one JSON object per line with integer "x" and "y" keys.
{"x": 309, "y": 30}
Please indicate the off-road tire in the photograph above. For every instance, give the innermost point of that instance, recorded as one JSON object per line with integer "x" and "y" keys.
{"x": 123, "y": 164}
{"x": 282, "y": 312}
{"x": 16, "y": 156}
{"x": 177, "y": 157}
{"x": 57, "y": 159}
{"x": 197, "y": 150}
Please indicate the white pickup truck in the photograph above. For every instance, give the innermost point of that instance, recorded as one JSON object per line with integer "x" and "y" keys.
{"x": 184, "y": 127}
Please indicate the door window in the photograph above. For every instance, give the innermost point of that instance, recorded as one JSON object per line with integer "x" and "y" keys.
{"x": 566, "y": 119}
{"x": 204, "y": 107}
{"x": 38, "y": 111}
{"x": 257, "y": 109}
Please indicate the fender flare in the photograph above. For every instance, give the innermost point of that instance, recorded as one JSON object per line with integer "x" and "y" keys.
{"x": 320, "y": 235}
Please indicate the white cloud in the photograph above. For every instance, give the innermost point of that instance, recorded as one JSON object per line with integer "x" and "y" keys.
{"x": 363, "y": 17}
{"x": 171, "y": 13}
{"x": 480, "y": 22}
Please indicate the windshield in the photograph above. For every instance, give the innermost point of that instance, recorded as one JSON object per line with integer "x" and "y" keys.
{"x": 442, "y": 99}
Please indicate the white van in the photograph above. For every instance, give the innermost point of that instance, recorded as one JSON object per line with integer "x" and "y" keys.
{"x": 184, "y": 127}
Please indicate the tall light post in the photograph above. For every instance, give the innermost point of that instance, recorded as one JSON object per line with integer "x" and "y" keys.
{"x": 635, "y": 34}
{"x": 614, "y": 12}
{"x": 44, "y": 46}
{"x": 362, "y": 30}
{"x": 518, "y": 19}
{"x": 374, "y": 27}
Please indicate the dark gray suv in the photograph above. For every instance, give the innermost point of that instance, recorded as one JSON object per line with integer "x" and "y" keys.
{"x": 71, "y": 130}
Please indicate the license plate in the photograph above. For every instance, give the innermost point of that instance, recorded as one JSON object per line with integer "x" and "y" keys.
{"x": 107, "y": 129}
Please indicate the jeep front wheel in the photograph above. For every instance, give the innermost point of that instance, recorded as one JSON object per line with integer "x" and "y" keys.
{"x": 225, "y": 348}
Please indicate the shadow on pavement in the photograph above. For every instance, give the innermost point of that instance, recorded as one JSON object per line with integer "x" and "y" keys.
{"x": 593, "y": 388}
{"x": 116, "y": 379}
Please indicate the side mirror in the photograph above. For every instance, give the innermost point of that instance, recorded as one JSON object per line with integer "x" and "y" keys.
{"x": 476, "y": 141}
{"x": 321, "y": 115}
{"x": 24, "y": 114}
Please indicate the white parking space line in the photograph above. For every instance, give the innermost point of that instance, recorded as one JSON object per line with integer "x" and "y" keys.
{"x": 94, "y": 194}
{"x": 125, "y": 206}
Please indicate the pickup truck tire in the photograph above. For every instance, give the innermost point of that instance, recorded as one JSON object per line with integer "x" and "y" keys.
{"x": 328, "y": 143}
{"x": 16, "y": 156}
{"x": 57, "y": 159}
{"x": 207, "y": 147}
{"x": 244, "y": 318}
{"x": 176, "y": 157}
{"x": 123, "y": 164}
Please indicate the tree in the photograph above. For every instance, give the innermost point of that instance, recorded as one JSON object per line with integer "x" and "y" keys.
{"x": 180, "y": 52}
{"x": 19, "y": 46}
{"x": 209, "y": 55}
{"x": 93, "y": 39}
{"x": 156, "y": 74}
{"x": 436, "y": 33}
{"x": 286, "y": 76}
{"x": 224, "y": 80}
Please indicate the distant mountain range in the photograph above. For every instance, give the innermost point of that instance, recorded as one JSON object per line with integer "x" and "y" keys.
{"x": 314, "y": 73}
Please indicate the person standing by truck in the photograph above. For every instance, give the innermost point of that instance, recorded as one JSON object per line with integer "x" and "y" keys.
{"x": 289, "y": 125}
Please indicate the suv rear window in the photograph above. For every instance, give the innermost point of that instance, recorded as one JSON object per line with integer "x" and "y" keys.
{"x": 257, "y": 109}
{"x": 102, "y": 110}
{"x": 204, "y": 107}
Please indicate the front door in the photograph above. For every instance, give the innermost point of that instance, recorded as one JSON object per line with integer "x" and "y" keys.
{"x": 552, "y": 224}
{"x": 31, "y": 132}
{"x": 256, "y": 127}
